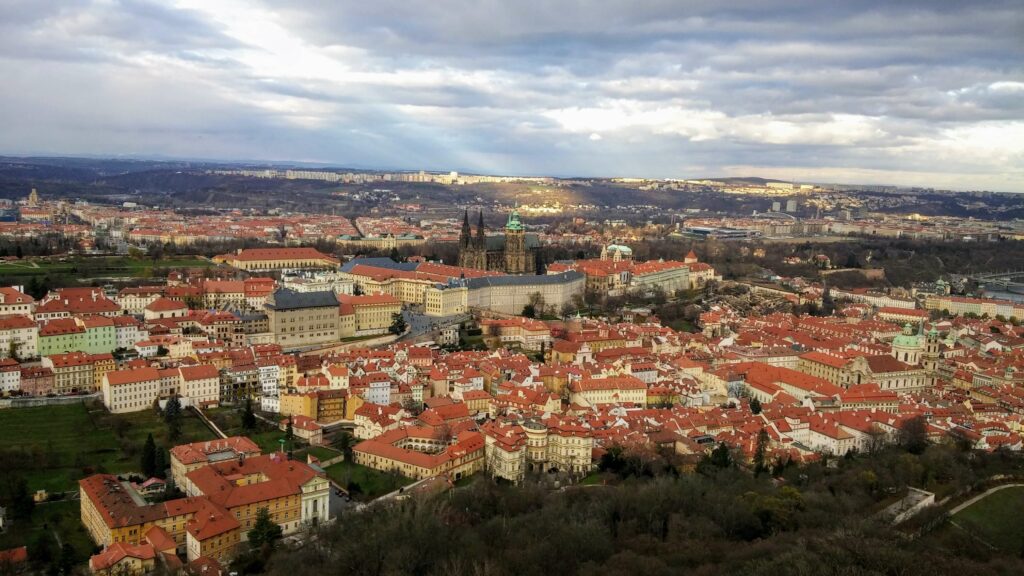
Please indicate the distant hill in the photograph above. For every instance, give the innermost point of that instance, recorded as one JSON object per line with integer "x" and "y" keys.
{"x": 752, "y": 180}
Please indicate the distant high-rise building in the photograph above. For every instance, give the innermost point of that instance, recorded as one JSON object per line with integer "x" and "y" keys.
{"x": 790, "y": 205}
{"x": 33, "y": 199}
{"x": 776, "y": 206}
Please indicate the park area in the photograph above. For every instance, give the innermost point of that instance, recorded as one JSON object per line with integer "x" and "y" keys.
{"x": 364, "y": 483}
{"x": 996, "y": 520}
{"x": 52, "y": 447}
{"x": 267, "y": 436}
{"x": 97, "y": 267}
{"x": 52, "y": 526}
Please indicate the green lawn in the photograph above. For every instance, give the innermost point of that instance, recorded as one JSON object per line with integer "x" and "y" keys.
{"x": 229, "y": 420}
{"x": 321, "y": 452}
{"x": 99, "y": 266}
{"x": 594, "y": 479}
{"x": 996, "y": 519}
{"x": 58, "y": 445}
{"x": 365, "y": 483}
{"x": 61, "y": 517}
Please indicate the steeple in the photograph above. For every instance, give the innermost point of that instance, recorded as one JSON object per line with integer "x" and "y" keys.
{"x": 465, "y": 234}
{"x": 481, "y": 235}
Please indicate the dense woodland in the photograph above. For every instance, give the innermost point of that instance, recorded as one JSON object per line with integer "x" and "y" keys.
{"x": 651, "y": 519}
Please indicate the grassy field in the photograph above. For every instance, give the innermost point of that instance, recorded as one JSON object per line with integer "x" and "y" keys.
{"x": 229, "y": 420}
{"x": 365, "y": 483}
{"x": 594, "y": 479}
{"x": 60, "y": 517}
{"x": 65, "y": 443}
{"x": 98, "y": 267}
{"x": 997, "y": 519}
{"x": 322, "y": 452}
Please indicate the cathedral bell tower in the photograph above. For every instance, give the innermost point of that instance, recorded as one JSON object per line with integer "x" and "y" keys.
{"x": 515, "y": 245}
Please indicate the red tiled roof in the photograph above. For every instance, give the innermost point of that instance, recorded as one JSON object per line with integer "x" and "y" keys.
{"x": 132, "y": 376}
{"x": 302, "y": 253}
{"x": 200, "y": 372}
{"x": 118, "y": 551}
{"x": 199, "y": 451}
{"x": 165, "y": 305}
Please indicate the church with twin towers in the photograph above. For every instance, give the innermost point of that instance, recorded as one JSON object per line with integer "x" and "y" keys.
{"x": 515, "y": 252}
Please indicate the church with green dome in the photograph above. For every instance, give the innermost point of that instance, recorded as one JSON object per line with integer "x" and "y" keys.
{"x": 515, "y": 252}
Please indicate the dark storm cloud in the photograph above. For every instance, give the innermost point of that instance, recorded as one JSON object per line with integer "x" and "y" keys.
{"x": 913, "y": 91}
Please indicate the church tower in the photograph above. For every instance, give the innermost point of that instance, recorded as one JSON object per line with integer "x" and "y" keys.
{"x": 465, "y": 239}
{"x": 930, "y": 358}
{"x": 515, "y": 245}
{"x": 464, "y": 234}
{"x": 907, "y": 346}
{"x": 473, "y": 248}
{"x": 480, "y": 243}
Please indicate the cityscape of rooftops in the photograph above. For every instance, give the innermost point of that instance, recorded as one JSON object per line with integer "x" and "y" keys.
{"x": 511, "y": 288}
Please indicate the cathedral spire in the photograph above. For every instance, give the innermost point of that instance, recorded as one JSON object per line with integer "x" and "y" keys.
{"x": 481, "y": 235}
{"x": 465, "y": 234}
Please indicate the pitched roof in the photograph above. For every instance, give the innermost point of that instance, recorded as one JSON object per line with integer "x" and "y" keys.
{"x": 300, "y": 253}
{"x": 118, "y": 551}
{"x": 562, "y": 278}
{"x": 284, "y": 299}
{"x": 200, "y": 372}
{"x": 201, "y": 451}
{"x": 165, "y": 305}
{"x": 132, "y": 376}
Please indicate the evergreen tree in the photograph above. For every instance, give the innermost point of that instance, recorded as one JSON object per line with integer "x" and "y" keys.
{"x": 344, "y": 442}
{"x": 66, "y": 559}
{"x": 398, "y": 324}
{"x": 721, "y": 456}
{"x": 914, "y": 435}
{"x": 265, "y": 531}
{"x": 160, "y": 463}
{"x": 755, "y": 406}
{"x": 248, "y": 416}
{"x": 289, "y": 432}
{"x": 40, "y": 550}
{"x": 828, "y": 304}
{"x": 172, "y": 416}
{"x": 760, "y": 453}
{"x": 19, "y": 499}
{"x": 149, "y": 457}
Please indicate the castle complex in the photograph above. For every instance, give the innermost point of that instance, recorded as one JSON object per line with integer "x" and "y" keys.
{"x": 513, "y": 253}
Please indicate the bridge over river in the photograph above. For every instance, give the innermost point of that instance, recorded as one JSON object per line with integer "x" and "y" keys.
{"x": 1012, "y": 282}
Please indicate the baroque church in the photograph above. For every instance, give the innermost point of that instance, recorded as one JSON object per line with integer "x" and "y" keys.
{"x": 513, "y": 253}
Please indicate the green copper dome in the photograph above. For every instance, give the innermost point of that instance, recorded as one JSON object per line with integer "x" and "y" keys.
{"x": 513, "y": 221}
{"x": 907, "y": 339}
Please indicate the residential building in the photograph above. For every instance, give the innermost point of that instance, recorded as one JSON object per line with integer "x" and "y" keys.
{"x": 370, "y": 314}
{"x": 510, "y": 294}
{"x": 72, "y": 372}
{"x": 13, "y": 300}
{"x": 422, "y": 452}
{"x": 19, "y": 336}
{"x": 188, "y": 457}
{"x": 300, "y": 319}
{"x": 626, "y": 390}
{"x": 265, "y": 259}
{"x": 131, "y": 390}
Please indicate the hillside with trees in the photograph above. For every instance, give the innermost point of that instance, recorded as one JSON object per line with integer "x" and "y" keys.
{"x": 652, "y": 519}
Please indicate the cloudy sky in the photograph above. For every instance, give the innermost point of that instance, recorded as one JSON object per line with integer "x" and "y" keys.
{"x": 915, "y": 93}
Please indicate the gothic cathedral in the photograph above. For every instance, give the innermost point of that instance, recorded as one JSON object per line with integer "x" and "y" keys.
{"x": 513, "y": 253}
